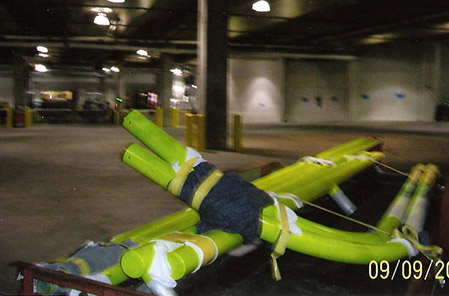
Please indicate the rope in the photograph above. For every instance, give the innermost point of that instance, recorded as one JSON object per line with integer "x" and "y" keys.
{"x": 431, "y": 252}
{"x": 360, "y": 157}
{"x": 390, "y": 168}
{"x": 345, "y": 217}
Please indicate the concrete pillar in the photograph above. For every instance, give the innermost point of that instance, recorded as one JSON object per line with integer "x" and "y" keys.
{"x": 165, "y": 84}
{"x": 21, "y": 81}
{"x": 212, "y": 69}
{"x": 119, "y": 85}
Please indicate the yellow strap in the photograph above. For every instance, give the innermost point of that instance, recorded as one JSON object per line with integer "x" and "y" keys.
{"x": 177, "y": 182}
{"x": 204, "y": 188}
{"x": 205, "y": 243}
{"x": 281, "y": 242}
{"x": 82, "y": 264}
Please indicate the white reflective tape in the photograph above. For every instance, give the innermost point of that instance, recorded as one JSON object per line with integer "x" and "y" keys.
{"x": 316, "y": 160}
{"x": 412, "y": 252}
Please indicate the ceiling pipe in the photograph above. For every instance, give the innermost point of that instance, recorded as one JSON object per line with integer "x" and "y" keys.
{"x": 171, "y": 47}
{"x": 295, "y": 56}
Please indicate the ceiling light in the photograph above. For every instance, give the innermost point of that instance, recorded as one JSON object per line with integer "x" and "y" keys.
{"x": 102, "y": 9}
{"x": 115, "y": 69}
{"x": 176, "y": 71}
{"x": 40, "y": 68}
{"x": 142, "y": 52}
{"x": 43, "y": 55}
{"x": 41, "y": 48}
{"x": 101, "y": 20}
{"x": 107, "y": 70}
{"x": 261, "y": 6}
{"x": 117, "y": 1}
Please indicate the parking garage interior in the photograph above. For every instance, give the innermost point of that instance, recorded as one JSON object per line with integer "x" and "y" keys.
{"x": 304, "y": 76}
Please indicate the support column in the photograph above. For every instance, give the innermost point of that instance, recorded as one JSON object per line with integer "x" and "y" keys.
{"x": 165, "y": 84}
{"x": 21, "y": 81}
{"x": 21, "y": 86}
{"x": 212, "y": 69}
{"x": 120, "y": 85}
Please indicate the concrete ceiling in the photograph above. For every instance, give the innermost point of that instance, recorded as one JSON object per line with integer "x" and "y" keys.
{"x": 301, "y": 27}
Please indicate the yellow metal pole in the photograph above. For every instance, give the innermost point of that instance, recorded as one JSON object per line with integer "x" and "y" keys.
{"x": 116, "y": 117}
{"x": 159, "y": 117}
{"x": 9, "y": 116}
{"x": 174, "y": 117}
{"x": 238, "y": 133}
{"x": 201, "y": 132}
{"x": 188, "y": 135}
{"x": 28, "y": 116}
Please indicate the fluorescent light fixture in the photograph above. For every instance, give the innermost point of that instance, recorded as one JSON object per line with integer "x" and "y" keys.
{"x": 107, "y": 70}
{"x": 176, "y": 71}
{"x": 261, "y": 6}
{"x": 43, "y": 55}
{"x": 117, "y": 1}
{"x": 102, "y": 9}
{"x": 142, "y": 52}
{"x": 101, "y": 20}
{"x": 40, "y": 68}
{"x": 115, "y": 69}
{"x": 42, "y": 49}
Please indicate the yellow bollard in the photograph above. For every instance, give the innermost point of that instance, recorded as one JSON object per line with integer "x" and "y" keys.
{"x": 116, "y": 117}
{"x": 238, "y": 133}
{"x": 201, "y": 132}
{"x": 188, "y": 134}
{"x": 159, "y": 117}
{"x": 195, "y": 135}
{"x": 28, "y": 116}
{"x": 9, "y": 116}
{"x": 174, "y": 117}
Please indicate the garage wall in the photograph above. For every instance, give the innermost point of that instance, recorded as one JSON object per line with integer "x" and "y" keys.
{"x": 255, "y": 89}
{"x": 317, "y": 90}
{"x": 7, "y": 88}
{"x": 395, "y": 83}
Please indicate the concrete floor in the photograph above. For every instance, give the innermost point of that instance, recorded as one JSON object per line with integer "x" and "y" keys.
{"x": 61, "y": 185}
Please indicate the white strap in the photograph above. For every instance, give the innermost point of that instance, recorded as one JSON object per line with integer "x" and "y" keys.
{"x": 412, "y": 252}
{"x": 160, "y": 269}
{"x": 360, "y": 157}
{"x": 316, "y": 160}
{"x": 290, "y": 196}
{"x": 291, "y": 217}
{"x": 191, "y": 153}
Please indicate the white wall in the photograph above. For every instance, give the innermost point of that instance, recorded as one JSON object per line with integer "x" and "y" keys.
{"x": 255, "y": 89}
{"x": 395, "y": 83}
{"x": 308, "y": 80}
{"x": 7, "y": 88}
